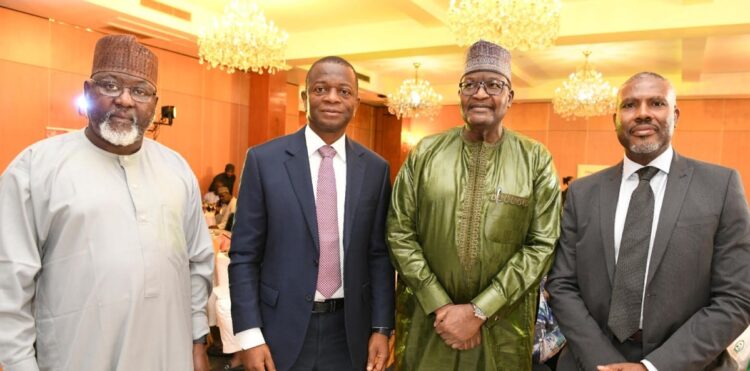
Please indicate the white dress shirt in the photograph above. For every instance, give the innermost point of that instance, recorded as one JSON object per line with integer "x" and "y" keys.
{"x": 253, "y": 337}
{"x": 628, "y": 184}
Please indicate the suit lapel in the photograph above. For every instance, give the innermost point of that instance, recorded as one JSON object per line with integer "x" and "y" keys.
{"x": 678, "y": 180}
{"x": 355, "y": 171}
{"x": 607, "y": 207}
{"x": 298, "y": 169}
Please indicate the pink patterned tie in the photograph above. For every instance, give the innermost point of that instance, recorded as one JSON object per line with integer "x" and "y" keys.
{"x": 329, "y": 271}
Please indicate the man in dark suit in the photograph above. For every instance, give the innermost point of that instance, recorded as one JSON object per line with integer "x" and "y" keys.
{"x": 651, "y": 269}
{"x": 310, "y": 279}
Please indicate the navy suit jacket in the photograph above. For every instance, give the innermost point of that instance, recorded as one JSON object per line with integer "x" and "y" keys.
{"x": 274, "y": 252}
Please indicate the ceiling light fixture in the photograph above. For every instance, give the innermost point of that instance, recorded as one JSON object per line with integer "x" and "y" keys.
{"x": 415, "y": 98}
{"x": 514, "y": 24}
{"x": 584, "y": 94}
{"x": 242, "y": 39}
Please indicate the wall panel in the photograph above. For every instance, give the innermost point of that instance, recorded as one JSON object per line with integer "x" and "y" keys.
{"x": 64, "y": 88}
{"x": 24, "y": 106}
{"x": 734, "y": 154}
{"x": 24, "y": 38}
{"x": 528, "y": 117}
{"x": 701, "y": 115}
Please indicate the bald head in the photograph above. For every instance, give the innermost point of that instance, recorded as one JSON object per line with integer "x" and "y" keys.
{"x": 640, "y": 76}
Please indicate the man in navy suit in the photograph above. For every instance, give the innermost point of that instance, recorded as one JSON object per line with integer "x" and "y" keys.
{"x": 310, "y": 279}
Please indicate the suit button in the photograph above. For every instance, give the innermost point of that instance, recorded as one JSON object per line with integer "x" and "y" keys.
{"x": 308, "y": 297}
{"x": 315, "y": 261}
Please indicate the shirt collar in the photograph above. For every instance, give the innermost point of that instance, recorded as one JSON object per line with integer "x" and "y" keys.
{"x": 314, "y": 143}
{"x": 662, "y": 162}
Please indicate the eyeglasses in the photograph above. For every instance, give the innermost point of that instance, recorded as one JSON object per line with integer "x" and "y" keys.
{"x": 492, "y": 87}
{"x": 113, "y": 89}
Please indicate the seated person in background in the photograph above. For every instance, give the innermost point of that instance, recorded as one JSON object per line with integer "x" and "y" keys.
{"x": 226, "y": 178}
{"x": 226, "y": 207}
{"x": 211, "y": 197}
{"x": 223, "y": 305}
{"x": 221, "y": 247}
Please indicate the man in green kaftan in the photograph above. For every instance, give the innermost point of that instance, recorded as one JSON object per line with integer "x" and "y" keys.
{"x": 471, "y": 229}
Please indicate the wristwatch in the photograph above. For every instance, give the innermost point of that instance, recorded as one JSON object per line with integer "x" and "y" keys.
{"x": 383, "y": 331}
{"x": 478, "y": 312}
{"x": 201, "y": 340}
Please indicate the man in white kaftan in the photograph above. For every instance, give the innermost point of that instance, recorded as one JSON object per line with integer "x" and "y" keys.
{"x": 105, "y": 258}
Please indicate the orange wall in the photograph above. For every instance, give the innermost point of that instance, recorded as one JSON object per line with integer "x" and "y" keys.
{"x": 43, "y": 65}
{"x": 712, "y": 130}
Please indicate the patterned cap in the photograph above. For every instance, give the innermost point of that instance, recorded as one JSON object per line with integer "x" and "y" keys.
{"x": 123, "y": 53}
{"x": 486, "y": 56}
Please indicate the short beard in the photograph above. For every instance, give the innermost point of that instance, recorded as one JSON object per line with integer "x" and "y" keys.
{"x": 645, "y": 148}
{"x": 122, "y": 138}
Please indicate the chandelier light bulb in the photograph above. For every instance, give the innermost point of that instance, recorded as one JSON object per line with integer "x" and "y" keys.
{"x": 584, "y": 94}
{"x": 242, "y": 39}
{"x": 415, "y": 98}
{"x": 514, "y": 24}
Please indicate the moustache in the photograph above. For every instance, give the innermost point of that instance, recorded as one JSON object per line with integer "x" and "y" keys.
{"x": 121, "y": 113}
{"x": 644, "y": 126}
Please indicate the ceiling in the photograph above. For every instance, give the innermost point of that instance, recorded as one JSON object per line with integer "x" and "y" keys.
{"x": 703, "y": 46}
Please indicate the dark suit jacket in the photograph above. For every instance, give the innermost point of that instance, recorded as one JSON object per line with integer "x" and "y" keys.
{"x": 698, "y": 283}
{"x": 274, "y": 252}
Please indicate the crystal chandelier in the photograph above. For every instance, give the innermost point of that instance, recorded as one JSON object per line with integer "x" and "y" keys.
{"x": 584, "y": 94}
{"x": 243, "y": 40}
{"x": 514, "y": 24}
{"x": 415, "y": 98}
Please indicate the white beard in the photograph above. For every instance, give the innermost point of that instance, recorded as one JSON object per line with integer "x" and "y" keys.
{"x": 120, "y": 138}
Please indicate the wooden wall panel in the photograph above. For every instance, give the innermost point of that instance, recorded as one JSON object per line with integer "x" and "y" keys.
{"x": 449, "y": 117}
{"x": 24, "y": 38}
{"x": 568, "y": 149}
{"x": 292, "y": 109}
{"x": 601, "y": 123}
{"x": 267, "y": 101}
{"x": 71, "y": 50}
{"x": 64, "y": 88}
{"x": 23, "y": 103}
{"x": 735, "y": 152}
{"x": 388, "y": 138}
{"x": 188, "y": 79}
{"x": 528, "y": 117}
{"x": 737, "y": 115}
{"x": 700, "y": 115}
{"x": 184, "y": 134}
{"x": 218, "y": 85}
{"x": 703, "y": 145}
{"x": 360, "y": 128}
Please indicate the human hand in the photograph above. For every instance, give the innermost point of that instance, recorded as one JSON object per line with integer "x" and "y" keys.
{"x": 200, "y": 359}
{"x": 377, "y": 352}
{"x": 473, "y": 342}
{"x": 257, "y": 359}
{"x": 622, "y": 367}
{"x": 456, "y": 324}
